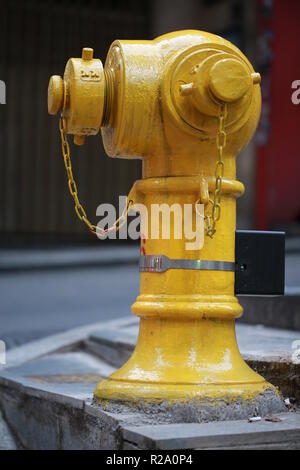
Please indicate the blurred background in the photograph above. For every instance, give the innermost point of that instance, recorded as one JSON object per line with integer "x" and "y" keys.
{"x": 53, "y": 273}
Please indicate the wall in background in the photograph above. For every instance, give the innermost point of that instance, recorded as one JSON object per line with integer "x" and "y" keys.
{"x": 236, "y": 21}
{"x": 37, "y": 38}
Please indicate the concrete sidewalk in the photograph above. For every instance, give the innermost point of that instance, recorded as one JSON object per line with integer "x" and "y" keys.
{"x": 47, "y": 395}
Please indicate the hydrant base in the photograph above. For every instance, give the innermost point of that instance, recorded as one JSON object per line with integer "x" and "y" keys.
{"x": 191, "y": 407}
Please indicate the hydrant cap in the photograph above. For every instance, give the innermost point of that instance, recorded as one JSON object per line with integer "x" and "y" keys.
{"x": 55, "y": 94}
{"x": 80, "y": 95}
{"x": 229, "y": 80}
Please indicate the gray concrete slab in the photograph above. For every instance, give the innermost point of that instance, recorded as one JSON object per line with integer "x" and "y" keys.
{"x": 268, "y": 344}
{"x": 277, "y": 312}
{"x": 65, "y": 376}
{"x": 7, "y": 441}
{"x": 236, "y": 434}
{"x": 51, "y": 408}
{"x": 47, "y": 397}
{"x": 66, "y": 341}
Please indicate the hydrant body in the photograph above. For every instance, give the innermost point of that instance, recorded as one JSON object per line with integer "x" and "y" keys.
{"x": 161, "y": 103}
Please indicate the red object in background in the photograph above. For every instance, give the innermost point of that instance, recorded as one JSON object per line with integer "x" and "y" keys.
{"x": 278, "y": 151}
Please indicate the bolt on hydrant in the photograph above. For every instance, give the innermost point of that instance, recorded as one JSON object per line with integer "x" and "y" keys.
{"x": 185, "y": 103}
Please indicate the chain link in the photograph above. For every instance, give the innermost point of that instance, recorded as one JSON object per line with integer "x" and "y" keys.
{"x": 74, "y": 193}
{"x": 210, "y": 220}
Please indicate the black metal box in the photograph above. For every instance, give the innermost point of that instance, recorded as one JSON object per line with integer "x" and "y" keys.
{"x": 260, "y": 263}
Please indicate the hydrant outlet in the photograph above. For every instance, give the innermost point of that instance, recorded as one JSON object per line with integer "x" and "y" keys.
{"x": 80, "y": 95}
{"x": 55, "y": 94}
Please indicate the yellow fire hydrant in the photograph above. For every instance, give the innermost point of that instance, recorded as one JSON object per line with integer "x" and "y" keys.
{"x": 186, "y": 103}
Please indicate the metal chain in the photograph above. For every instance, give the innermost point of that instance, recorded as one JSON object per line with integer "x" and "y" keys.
{"x": 74, "y": 193}
{"x": 212, "y": 219}
{"x": 209, "y": 220}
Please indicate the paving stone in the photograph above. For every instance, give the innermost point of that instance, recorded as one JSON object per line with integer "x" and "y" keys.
{"x": 279, "y": 312}
{"x": 115, "y": 346}
{"x": 48, "y": 396}
{"x": 67, "y": 378}
{"x": 7, "y": 441}
{"x": 65, "y": 341}
{"x": 235, "y": 434}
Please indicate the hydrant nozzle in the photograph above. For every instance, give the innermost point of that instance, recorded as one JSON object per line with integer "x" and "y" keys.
{"x": 229, "y": 80}
{"x": 55, "y": 94}
{"x": 80, "y": 96}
